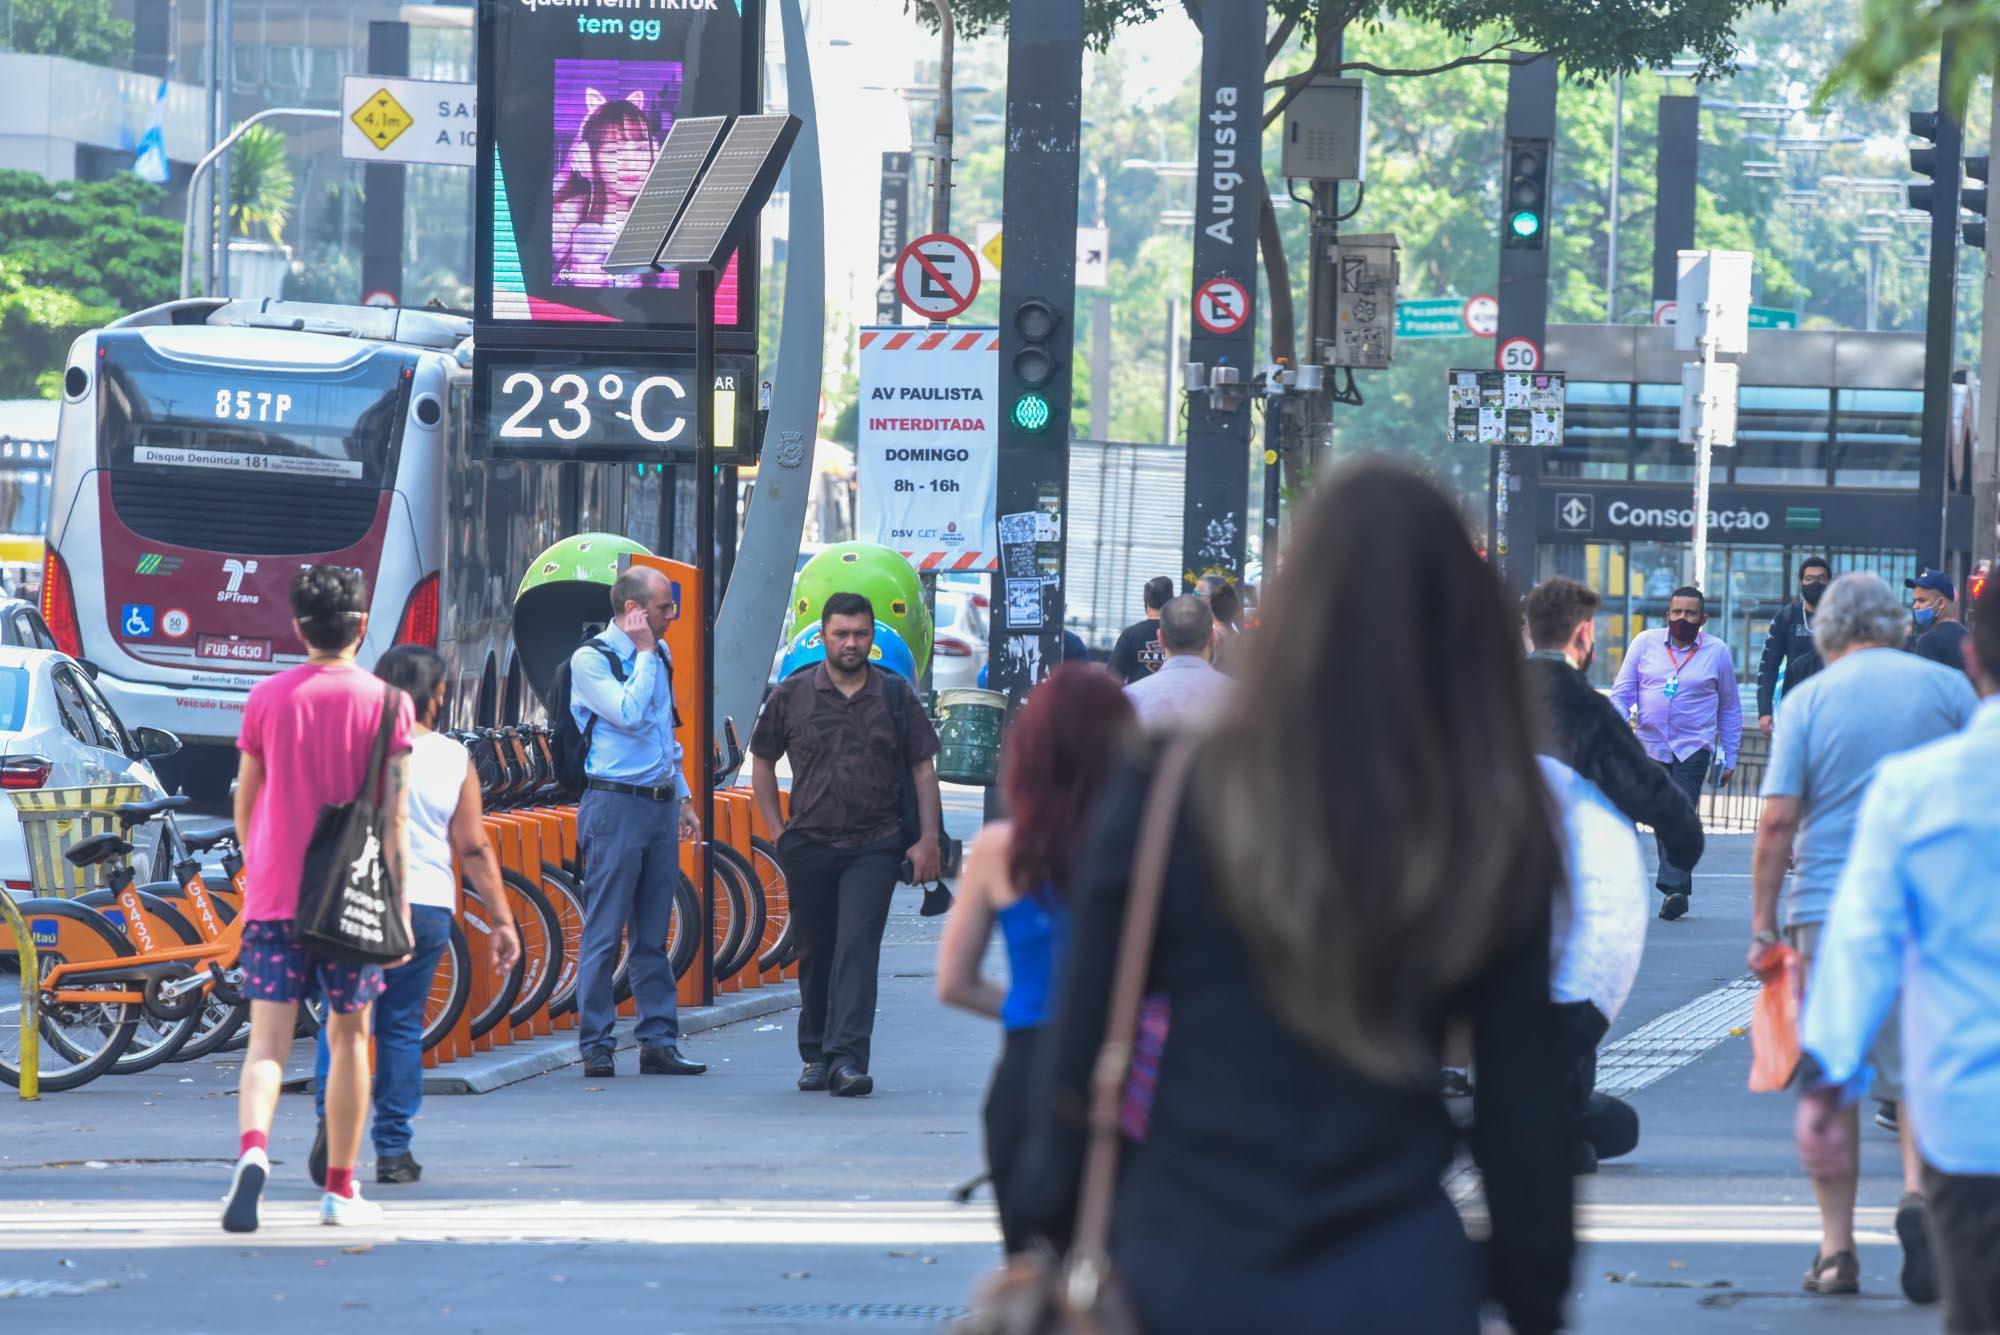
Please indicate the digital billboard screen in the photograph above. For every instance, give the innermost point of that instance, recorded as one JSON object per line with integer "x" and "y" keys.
{"x": 575, "y": 99}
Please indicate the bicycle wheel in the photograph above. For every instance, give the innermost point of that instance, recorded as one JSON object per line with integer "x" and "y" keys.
{"x": 541, "y": 945}
{"x": 567, "y": 900}
{"x": 745, "y": 886}
{"x": 154, "y": 1040}
{"x": 682, "y": 942}
{"x": 505, "y": 986}
{"x": 221, "y": 1018}
{"x": 80, "y": 1039}
{"x": 770, "y": 874}
{"x": 451, "y": 988}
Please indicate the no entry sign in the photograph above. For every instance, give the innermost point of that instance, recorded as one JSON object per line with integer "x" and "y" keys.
{"x": 937, "y": 276}
{"x": 1222, "y": 305}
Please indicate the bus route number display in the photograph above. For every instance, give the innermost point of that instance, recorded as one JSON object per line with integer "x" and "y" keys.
{"x": 590, "y": 406}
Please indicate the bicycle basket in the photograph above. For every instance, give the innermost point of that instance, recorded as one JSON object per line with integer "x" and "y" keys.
{"x": 54, "y": 820}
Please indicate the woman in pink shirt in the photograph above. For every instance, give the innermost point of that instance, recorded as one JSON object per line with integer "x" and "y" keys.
{"x": 307, "y": 737}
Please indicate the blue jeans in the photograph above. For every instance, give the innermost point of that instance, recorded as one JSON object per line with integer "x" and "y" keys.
{"x": 631, "y": 867}
{"x": 399, "y": 1035}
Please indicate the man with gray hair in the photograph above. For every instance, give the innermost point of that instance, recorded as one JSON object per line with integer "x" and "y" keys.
{"x": 1187, "y": 688}
{"x": 1868, "y": 703}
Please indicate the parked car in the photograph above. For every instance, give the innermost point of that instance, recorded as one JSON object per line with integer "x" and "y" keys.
{"x": 58, "y": 731}
{"x": 21, "y": 625}
{"x": 958, "y": 647}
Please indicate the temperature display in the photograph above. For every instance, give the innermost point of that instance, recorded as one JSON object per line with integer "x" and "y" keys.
{"x": 596, "y": 408}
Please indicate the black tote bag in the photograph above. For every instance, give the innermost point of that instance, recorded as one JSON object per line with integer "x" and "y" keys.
{"x": 350, "y": 908}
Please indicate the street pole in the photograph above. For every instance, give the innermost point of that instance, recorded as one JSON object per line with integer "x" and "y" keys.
{"x": 1168, "y": 431}
{"x": 1704, "y": 450}
{"x": 1940, "y": 324}
{"x": 1874, "y": 251}
{"x": 1986, "y": 476}
{"x": 1524, "y": 313}
{"x": 704, "y": 528}
{"x": 209, "y": 30}
{"x": 226, "y": 43}
{"x": 383, "y": 183}
{"x": 1617, "y": 158}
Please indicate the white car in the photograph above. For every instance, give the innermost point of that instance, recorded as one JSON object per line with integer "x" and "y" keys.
{"x": 958, "y": 646}
{"x": 58, "y": 731}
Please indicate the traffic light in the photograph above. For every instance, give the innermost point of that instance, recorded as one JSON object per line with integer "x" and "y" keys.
{"x": 1524, "y": 215}
{"x": 1973, "y": 200}
{"x": 1035, "y": 365}
{"x": 1924, "y": 160}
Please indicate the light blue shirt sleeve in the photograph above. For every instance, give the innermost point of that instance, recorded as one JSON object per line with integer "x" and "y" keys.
{"x": 1730, "y": 715}
{"x": 593, "y": 686}
{"x": 1625, "y": 691}
{"x": 1859, "y": 968}
{"x": 1785, "y": 775}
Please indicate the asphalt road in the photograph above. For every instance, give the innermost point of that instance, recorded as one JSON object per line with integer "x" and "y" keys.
{"x": 733, "y": 1203}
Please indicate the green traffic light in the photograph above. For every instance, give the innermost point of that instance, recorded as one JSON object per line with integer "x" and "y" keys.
{"x": 1525, "y": 223}
{"x": 1032, "y": 413}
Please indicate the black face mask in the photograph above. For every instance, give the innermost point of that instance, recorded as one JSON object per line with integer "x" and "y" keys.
{"x": 1811, "y": 590}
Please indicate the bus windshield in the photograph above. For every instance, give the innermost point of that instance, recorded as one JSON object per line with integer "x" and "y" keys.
{"x": 158, "y": 413}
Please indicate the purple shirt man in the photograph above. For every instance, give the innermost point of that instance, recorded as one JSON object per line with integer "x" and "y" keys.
{"x": 1682, "y": 682}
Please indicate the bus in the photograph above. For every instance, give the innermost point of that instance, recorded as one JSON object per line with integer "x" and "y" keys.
{"x": 208, "y": 449}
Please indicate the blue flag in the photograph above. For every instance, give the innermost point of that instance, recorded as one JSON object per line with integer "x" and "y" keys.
{"x": 150, "y": 163}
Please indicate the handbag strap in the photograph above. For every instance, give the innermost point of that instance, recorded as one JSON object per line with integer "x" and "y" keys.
{"x": 1128, "y": 985}
{"x": 378, "y": 755}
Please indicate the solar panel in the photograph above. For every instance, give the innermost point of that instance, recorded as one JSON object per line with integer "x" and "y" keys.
{"x": 664, "y": 196}
{"x": 736, "y": 184}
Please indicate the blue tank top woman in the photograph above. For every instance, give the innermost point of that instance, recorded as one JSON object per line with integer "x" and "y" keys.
{"x": 1036, "y": 929}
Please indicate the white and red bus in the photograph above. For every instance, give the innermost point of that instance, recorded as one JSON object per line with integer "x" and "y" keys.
{"x": 209, "y": 449}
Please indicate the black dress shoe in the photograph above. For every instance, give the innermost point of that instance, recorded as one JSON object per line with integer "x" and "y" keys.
{"x": 597, "y": 1064}
{"x": 849, "y": 1081}
{"x": 1674, "y": 907}
{"x": 316, "y": 1156}
{"x": 660, "y": 1059}
{"x": 398, "y": 1170}
{"x": 813, "y": 1079}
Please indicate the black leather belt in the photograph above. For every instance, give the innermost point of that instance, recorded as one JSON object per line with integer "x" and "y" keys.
{"x": 666, "y": 794}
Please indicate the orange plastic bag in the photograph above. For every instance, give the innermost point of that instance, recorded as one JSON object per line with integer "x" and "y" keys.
{"x": 1774, "y": 1023}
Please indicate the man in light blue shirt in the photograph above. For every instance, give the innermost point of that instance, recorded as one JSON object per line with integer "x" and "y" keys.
{"x": 634, "y": 811}
{"x": 1679, "y": 685}
{"x": 1918, "y": 909}
{"x": 1186, "y": 690}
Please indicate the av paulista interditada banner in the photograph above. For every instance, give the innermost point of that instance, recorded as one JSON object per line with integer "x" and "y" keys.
{"x": 929, "y": 444}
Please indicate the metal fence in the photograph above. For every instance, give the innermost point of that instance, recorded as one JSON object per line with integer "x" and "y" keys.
{"x": 1735, "y": 809}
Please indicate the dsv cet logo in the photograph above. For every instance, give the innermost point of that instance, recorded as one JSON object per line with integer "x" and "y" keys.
{"x": 236, "y": 570}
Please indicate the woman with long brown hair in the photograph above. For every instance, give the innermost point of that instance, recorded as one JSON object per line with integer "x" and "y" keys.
{"x": 1365, "y": 852}
{"x": 1017, "y": 875}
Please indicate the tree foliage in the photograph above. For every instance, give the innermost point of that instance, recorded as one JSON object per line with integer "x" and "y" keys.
{"x": 1897, "y": 36}
{"x": 72, "y": 256}
{"x": 79, "y": 29}
{"x": 260, "y": 184}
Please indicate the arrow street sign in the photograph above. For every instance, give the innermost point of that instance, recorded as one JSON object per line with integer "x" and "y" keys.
{"x": 937, "y": 276}
{"x": 1093, "y": 253}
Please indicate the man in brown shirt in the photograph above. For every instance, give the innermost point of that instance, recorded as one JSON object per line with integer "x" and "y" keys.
{"x": 850, "y": 830}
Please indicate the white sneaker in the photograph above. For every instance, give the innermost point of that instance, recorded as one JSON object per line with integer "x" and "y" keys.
{"x": 246, "y": 1186}
{"x": 348, "y": 1211}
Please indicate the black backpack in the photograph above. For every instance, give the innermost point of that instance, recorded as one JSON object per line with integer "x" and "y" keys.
{"x": 570, "y": 743}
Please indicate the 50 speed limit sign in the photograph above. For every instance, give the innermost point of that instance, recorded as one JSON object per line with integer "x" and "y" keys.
{"x": 1519, "y": 354}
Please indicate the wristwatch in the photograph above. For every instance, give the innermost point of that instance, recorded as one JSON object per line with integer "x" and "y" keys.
{"x": 1766, "y": 938}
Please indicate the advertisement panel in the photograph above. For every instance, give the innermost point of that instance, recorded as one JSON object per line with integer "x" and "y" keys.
{"x": 928, "y": 446}
{"x": 574, "y": 103}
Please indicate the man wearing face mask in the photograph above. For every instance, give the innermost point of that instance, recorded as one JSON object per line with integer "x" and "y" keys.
{"x": 1678, "y": 685}
{"x": 1938, "y": 633}
{"x": 1790, "y": 650}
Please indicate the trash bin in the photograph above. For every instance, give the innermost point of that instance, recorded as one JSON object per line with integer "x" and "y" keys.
{"x": 54, "y": 820}
{"x": 968, "y": 726}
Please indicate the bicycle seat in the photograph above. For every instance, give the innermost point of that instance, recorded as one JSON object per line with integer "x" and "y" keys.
{"x": 138, "y": 813}
{"x": 98, "y": 848}
{"x": 202, "y": 838}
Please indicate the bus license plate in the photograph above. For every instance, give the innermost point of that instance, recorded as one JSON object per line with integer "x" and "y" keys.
{"x": 233, "y": 650}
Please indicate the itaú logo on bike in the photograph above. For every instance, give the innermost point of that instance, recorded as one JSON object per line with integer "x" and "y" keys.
{"x": 1623, "y": 515}
{"x": 236, "y": 570}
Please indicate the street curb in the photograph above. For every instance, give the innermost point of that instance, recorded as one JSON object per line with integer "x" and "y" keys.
{"x": 523, "y": 1061}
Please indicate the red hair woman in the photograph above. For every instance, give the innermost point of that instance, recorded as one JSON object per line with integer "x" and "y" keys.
{"x": 1017, "y": 875}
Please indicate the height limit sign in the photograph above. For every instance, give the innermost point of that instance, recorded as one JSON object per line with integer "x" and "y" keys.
{"x": 937, "y": 276}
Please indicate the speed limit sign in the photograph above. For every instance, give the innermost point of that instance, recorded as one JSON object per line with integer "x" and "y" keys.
{"x": 1519, "y": 354}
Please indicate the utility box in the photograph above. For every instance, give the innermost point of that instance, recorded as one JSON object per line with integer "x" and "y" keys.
{"x": 1325, "y": 136}
{"x": 1720, "y": 281}
{"x": 1708, "y": 402}
{"x": 1365, "y": 272}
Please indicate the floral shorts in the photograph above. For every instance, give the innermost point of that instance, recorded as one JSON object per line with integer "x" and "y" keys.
{"x": 277, "y": 968}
